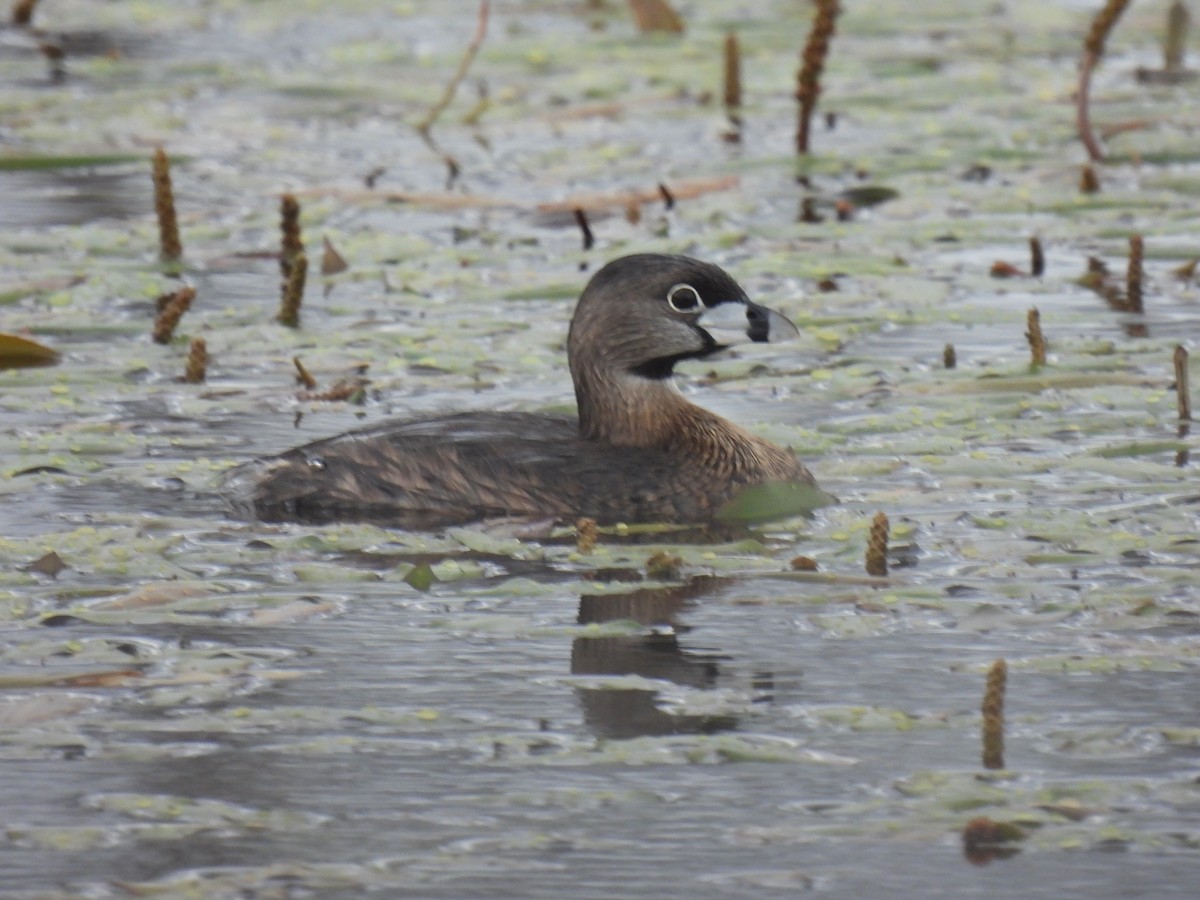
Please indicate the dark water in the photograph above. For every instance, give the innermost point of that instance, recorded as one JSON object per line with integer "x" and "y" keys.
{"x": 288, "y": 717}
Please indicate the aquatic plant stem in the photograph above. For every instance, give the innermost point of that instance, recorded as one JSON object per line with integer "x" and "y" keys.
{"x": 1037, "y": 257}
{"x": 197, "y": 362}
{"x": 1093, "y": 49}
{"x": 425, "y": 125}
{"x": 1037, "y": 342}
{"x": 732, "y": 88}
{"x": 1133, "y": 275}
{"x": 303, "y": 375}
{"x": 808, "y": 80}
{"x": 22, "y": 12}
{"x": 993, "y": 716}
{"x": 172, "y": 308}
{"x": 877, "y": 545}
{"x": 164, "y": 207}
{"x": 291, "y": 243}
{"x": 1175, "y": 43}
{"x": 1183, "y": 395}
{"x": 586, "y": 535}
{"x": 581, "y": 220}
{"x": 293, "y": 293}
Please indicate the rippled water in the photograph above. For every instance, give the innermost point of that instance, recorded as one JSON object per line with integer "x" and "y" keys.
{"x": 194, "y": 705}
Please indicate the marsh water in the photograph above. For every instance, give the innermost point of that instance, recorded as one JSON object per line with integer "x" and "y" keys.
{"x": 197, "y": 705}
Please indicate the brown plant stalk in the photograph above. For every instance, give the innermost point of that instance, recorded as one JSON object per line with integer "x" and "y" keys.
{"x": 1037, "y": 257}
{"x": 164, "y": 206}
{"x": 1093, "y": 49}
{"x": 808, "y": 81}
{"x": 1133, "y": 274}
{"x": 173, "y": 306}
{"x": 293, "y": 293}
{"x": 425, "y": 126}
{"x": 1033, "y": 333}
{"x": 877, "y": 545}
{"x": 732, "y": 88}
{"x": 1182, "y": 390}
{"x": 291, "y": 243}
{"x": 22, "y": 12}
{"x": 197, "y": 362}
{"x": 993, "y": 716}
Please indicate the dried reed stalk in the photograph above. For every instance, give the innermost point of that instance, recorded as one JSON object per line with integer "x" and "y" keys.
{"x": 1093, "y": 49}
{"x": 877, "y": 545}
{"x": 993, "y": 716}
{"x": 808, "y": 80}
{"x": 1033, "y": 333}
{"x": 197, "y": 362}
{"x": 293, "y": 293}
{"x": 164, "y": 206}
{"x": 173, "y": 306}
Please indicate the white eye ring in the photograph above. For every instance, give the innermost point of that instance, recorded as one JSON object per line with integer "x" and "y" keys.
{"x": 683, "y": 298}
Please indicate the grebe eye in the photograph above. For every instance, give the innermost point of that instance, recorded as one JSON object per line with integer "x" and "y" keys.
{"x": 683, "y": 298}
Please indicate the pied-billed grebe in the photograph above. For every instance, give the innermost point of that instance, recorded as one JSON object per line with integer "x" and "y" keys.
{"x": 638, "y": 451}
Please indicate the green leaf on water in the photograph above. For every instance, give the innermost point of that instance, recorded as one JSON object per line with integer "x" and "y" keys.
{"x": 421, "y": 577}
{"x": 776, "y": 500}
{"x": 27, "y": 163}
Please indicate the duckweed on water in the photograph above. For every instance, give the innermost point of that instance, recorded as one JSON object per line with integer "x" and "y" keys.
{"x": 189, "y": 659}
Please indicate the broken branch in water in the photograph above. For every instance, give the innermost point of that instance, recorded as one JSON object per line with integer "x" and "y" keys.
{"x": 1093, "y": 49}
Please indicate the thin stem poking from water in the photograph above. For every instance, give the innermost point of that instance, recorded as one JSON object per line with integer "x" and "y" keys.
{"x": 1182, "y": 390}
{"x": 1093, "y": 49}
{"x": 1033, "y": 332}
{"x": 197, "y": 362}
{"x": 291, "y": 244}
{"x": 1133, "y": 275}
{"x": 581, "y": 220}
{"x": 586, "y": 535}
{"x": 171, "y": 310}
{"x": 1175, "y": 44}
{"x": 293, "y": 293}
{"x": 877, "y": 545}
{"x": 993, "y": 716}
{"x": 425, "y": 126}
{"x": 733, "y": 88}
{"x": 1037, "y": 258}
{"x": 164, "y": 206}
{"x": 303, "y": 375}
{"x": 22, "y": 12}
{"x": 949, "y": 357}
{"x": 808, "y": 80}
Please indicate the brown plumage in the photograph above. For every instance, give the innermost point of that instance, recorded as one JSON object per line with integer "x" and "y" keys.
{"x": 638, "y": 451}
